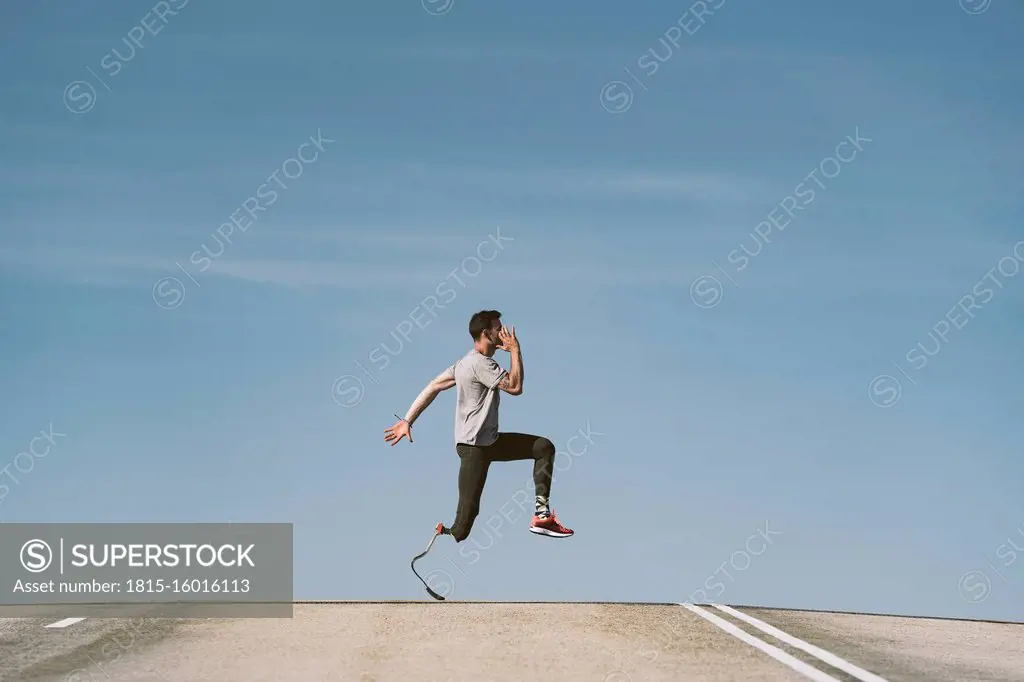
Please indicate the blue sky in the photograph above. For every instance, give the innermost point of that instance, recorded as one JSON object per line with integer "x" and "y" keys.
{"x": 228, "y": 392}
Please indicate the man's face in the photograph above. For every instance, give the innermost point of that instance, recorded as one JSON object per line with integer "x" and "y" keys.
{"x": 492, "y": 333}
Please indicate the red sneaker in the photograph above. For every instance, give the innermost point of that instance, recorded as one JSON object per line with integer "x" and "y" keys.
{"x": 549, "y": 526}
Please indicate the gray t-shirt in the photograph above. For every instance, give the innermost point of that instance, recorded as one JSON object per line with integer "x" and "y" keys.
{"x": 476, "y": 406}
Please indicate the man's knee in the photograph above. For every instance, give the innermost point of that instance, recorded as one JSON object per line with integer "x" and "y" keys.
{"x": 544, "y": 448}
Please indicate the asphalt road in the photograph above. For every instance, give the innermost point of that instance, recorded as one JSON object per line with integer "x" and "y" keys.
{"x": 506, "y": 642}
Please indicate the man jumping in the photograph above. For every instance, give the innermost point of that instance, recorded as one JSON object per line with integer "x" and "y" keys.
{"x": 479, "y": 380}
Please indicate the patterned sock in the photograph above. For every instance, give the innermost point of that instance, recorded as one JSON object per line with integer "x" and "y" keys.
{"x": 541, "y": 508}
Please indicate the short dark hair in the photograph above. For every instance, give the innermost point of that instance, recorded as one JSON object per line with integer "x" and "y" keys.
{"x": 481, "y": 322}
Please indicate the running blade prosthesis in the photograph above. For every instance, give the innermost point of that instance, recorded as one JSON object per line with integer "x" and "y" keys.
{"x": 437, "y": 532}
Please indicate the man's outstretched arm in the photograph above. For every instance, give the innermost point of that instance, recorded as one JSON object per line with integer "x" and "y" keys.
{"x": 403, "y": 428}
{"x": 442, "y": 382}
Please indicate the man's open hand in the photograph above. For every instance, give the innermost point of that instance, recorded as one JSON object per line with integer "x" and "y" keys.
{"x": 400, "y": 430}
{"x": 507, "y": 340}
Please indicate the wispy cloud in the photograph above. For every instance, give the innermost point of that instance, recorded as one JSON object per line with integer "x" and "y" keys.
{"x": 81, "y": 264}
{"x": 68, "y": 259}
{"x": 471, "y": 53}
{"x": 704, "y": 186}
{"x": 574, "y": 182}
{"x": 389, "y": 237}
{"x": 410, "y": 176}
{"x": 240, "y": 46}
{"x": 306, "y": 274}
{"x": 835, "y": 277}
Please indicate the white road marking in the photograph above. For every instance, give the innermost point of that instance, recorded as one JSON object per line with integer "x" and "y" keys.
{"x": 819, "y": 653}
{"x": 64, "y": 623}
{"x": 775, "y": 652}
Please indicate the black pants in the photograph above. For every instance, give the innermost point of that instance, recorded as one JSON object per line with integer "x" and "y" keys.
{"x": 476, "y": 460}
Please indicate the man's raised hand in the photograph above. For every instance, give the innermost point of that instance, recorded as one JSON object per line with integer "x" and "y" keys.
{"x": 507, "y": 339}
{"x": 395, "y": 433}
